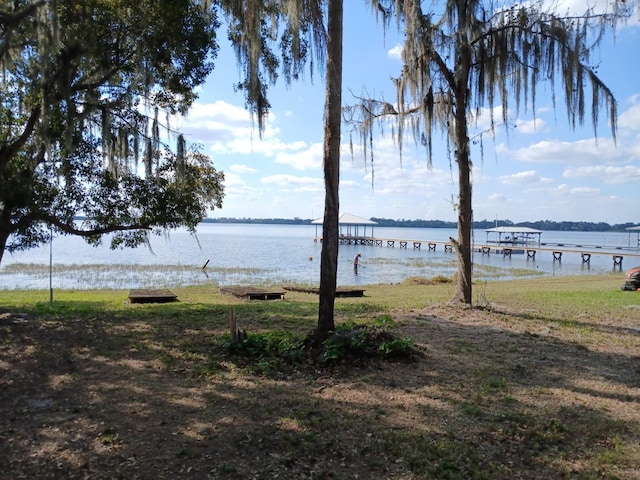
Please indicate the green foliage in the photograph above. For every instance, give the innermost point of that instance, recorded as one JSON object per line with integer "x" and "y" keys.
{"x": 271, "y": 350}
{"x": 80, "y": 133}
{"x": 377, "y": 340}
{"x": 267, "y": 350}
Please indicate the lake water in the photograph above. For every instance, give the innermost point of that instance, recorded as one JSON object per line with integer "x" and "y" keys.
{"x": 250, "y": 254}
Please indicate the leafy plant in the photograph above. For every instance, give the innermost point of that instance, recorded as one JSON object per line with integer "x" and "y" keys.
{"x": 268, "y": 351}
{"x": 374, "y": 340}
{"x": 271, "y": 350}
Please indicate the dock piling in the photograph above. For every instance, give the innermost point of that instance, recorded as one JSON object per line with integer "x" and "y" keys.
{"x": 617, "y": 261}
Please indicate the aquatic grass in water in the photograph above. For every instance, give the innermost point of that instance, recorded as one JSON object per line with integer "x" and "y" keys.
{"x": 416, "y": 262}
{"x": 131, "y": 276}
{"x": 117, "y": 276}
{"x": 430, "y": 267}
{"x": 486, "y": 272}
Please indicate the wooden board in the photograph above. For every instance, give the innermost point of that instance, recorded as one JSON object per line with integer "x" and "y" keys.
{"x": 150, "y": 295}
{"x": 252, "y": 293}
{"x": 340, "y": 291}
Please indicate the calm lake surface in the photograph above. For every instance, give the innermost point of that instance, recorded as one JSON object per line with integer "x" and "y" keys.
{"x": 250, "y": 254}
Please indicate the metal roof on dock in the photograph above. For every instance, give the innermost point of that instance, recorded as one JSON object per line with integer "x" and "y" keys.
{"x": 513, "y": 230}
{"x": 348, "y": 219}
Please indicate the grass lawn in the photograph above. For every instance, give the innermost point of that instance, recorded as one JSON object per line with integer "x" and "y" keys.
{"x": 540, "y": 380}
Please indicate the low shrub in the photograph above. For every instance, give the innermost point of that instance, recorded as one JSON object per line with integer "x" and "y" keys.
{"x": 349, "y": 341}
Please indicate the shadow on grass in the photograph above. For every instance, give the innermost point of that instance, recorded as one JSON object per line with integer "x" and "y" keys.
{"x": 147, "y": 392}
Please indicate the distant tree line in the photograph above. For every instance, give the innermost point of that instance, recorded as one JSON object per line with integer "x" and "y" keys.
{"x": 481, "y": 224}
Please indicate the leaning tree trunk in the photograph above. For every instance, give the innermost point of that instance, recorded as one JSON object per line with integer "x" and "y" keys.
{"x": 333, "y": 117}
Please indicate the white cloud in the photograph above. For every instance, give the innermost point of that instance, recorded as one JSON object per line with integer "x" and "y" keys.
{"x": 630, "y": 119}
{"x": 295, "y": 183}
{"x": 515, "y": 124}
{"x": 579, "y": 6}
{"x": 242, "y": 169}
{"x": 302, "y": 159}
{"x": 215, "y": 122}
{"x": 531, "y": 126}
{"x": 395, "y": 52}
{"x": 497, "y": 197}
{"x": 524, "y": 178}
{"x": 228, "y": 129}
{"x": 555, "y": 151}
{"x": 572, "y": 191}
{"x": 611, "y": 175}
{"x": 236, "y": 187}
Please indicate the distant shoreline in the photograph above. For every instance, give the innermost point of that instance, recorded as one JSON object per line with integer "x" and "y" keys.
{"x": 564, "y": 226}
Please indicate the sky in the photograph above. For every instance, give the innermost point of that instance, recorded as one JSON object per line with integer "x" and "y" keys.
{"x": 539, "y": 170}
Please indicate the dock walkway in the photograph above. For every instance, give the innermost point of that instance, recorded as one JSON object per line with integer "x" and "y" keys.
{"x": 556, "y": 249}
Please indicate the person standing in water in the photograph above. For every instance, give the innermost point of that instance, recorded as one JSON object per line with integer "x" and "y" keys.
{"x": 356, "y": 259}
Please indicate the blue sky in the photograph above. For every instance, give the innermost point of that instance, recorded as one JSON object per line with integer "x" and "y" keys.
{"x": 540, "y": 171}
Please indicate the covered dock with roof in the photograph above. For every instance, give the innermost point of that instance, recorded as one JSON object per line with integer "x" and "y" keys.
{"x": 635, "y": 230}
{"x": 513, "y": 236}
{"x": 351, "y": 229}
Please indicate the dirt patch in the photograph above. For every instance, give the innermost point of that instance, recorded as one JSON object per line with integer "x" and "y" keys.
{"x": 497, "y": 394}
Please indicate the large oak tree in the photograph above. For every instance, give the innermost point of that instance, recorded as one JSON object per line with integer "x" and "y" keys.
{"x": 83, "y": 87}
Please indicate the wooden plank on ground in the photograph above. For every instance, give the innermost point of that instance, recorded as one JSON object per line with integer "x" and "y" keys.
{"x": 252, "y": 293}
{"x": 151, "y": 295}
{"x": 340, "y": 291}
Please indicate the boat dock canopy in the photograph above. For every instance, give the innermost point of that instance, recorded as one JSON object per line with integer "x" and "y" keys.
{"x": 351, "y": 225}
{"x": 635, "y": 230}
{"x": 514, "y": 235}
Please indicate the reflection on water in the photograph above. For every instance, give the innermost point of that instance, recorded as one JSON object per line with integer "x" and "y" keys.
{"x": 280, "y": 254}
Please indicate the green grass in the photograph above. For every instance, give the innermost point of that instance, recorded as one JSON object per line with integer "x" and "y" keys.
{"x": 552, "y": 297}
{"x": 484, "y": 402}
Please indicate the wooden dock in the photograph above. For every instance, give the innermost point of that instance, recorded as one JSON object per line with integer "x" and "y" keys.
{"x": 149, "y": 295}
{"x": 252, "y": 293}
{"x": 556, "y": 249}
{"x": 390, "y": 242}
{"x": 340, "y": 291}
{"x": 557, "y": 253}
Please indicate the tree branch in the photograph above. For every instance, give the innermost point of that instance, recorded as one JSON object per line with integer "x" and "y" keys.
{"x": 71, "y": 229}
{"x": 8, "y": 150}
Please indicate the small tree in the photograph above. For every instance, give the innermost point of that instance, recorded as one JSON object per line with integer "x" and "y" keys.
{"x": 477, "y": 54}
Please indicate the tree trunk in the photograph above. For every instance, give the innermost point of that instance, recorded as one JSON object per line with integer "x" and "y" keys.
{"x": 3, "y": 243}
{"x": 465, "y": 221}
{"x": 5, "y": 230}
{"x": 333, "y": 117}
{"x": 462, "y": 154}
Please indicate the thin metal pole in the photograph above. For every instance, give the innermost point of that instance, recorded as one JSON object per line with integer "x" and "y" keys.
{"x": 50, "y": 265}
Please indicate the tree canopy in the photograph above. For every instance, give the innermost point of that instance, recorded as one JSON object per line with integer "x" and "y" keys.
{"x": 83, "y": 88}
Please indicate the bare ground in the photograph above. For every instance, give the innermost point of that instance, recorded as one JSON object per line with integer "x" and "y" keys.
{"x": 496, "y": 395}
